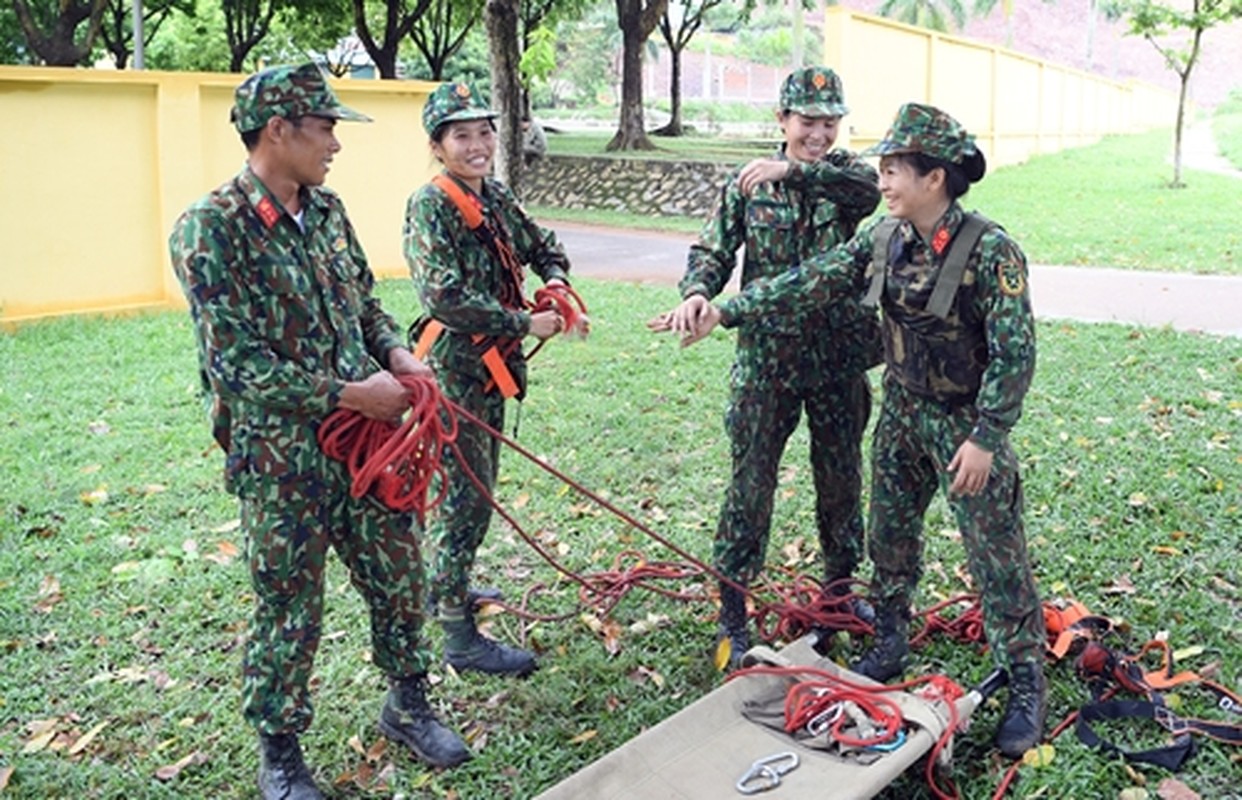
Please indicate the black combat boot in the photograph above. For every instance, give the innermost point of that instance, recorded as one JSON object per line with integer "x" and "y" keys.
{"x": 887, "y": 656}
{"x": 1022, "y": 727}
{"x": 282, "y": 772}
{"x": 476, "y": 596}
{"x": 407, "y": 718}
{"x": 732, "y": 624}
{"x": 855, "y": 604}
{"x": 467, "y": 649}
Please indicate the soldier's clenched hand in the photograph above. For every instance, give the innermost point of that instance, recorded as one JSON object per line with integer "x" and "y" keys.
{"x": 971, "y": 466}
{"x": 761, "y": 170}
{"x": 546, "y": 324}
{"x": 380, "y": 396}
{"x": 403, "y": 362}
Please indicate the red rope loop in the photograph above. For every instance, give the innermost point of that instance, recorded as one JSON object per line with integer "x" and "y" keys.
{"x": 397, "y": 462}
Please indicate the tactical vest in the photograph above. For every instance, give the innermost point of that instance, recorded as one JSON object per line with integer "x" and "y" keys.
{"x": 939, "y": 351}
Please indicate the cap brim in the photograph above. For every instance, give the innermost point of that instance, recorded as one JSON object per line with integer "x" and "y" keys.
{"x": 887, "y": 147}
{"x": 469, "y": 114}
{"x": 821, "y": 110}
{"x": 341, "y": 112}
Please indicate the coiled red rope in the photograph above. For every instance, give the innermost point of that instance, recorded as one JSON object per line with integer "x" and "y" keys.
{"x": 397, "y": 462}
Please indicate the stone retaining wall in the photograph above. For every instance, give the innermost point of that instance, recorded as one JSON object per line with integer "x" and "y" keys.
{"x": 653, "y": 188}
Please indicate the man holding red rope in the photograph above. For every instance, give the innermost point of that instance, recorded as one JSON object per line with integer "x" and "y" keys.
{"x": 288, "y": 331}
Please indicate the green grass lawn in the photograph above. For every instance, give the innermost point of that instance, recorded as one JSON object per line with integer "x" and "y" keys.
{"x": 1107, "y": 204}
{"x": 1227, "y": 128}
{"x": 123, "y": 601}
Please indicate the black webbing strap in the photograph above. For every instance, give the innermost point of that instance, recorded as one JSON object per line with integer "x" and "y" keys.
{"x": 1171, "y": 757}
{"x": 968, "y": 234}
{"x": 881, "y": 235}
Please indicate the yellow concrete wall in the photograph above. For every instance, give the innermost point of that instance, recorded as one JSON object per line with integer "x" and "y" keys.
{"x": 97, "y": 165}
{"x": 1015, "y": 105}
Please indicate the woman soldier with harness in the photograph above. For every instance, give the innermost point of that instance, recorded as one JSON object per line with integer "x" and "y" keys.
{"x": 959, "y": 340}
{"x": 466, "y": 240}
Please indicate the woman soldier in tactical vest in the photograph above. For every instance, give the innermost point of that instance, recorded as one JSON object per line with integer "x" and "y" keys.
{"x": 466, "y": 242}
{"x": 959, "y": 341}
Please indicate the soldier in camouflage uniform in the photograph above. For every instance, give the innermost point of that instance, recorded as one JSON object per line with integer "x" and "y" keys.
{"x": 288, "y": 331}
{"x": 470, "y": 282}
{"x": 798, "y": 203}
{"x": 958, "y": 366}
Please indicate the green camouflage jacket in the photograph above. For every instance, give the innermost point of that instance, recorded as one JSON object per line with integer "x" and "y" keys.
{"x": 993, "y": 294}
{"x": 458, "y": 279}
{"x": 284, "y": 318}
{"x": 781, "y": 225}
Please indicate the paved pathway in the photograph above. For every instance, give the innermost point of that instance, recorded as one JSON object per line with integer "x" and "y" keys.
{"x": 1185, "y": 302}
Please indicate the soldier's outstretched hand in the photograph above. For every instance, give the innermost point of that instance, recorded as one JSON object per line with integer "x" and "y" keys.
{"x": 707, "y": 323}
{"x": 761, "y": 170}
{"x": 971, "y": 466}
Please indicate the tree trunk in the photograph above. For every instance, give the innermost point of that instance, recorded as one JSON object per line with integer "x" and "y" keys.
{"x": 1181, "y": 107}
{"x": 674, "y": 126}
{"x": 59, "y": 46}
{"x": 503, "y": 58}
{"x": 631, "y": 133}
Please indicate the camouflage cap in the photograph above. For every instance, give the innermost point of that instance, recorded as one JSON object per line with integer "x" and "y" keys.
{"x": 454, "y": 102}
{"x": 925, "y": 129}
{"x": 289, "y": 92}
{"x": 813, "y": 92}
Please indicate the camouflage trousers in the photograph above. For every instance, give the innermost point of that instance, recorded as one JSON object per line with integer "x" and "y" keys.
{"x": 914, "y": 441}
{"x": 290, "y": 526}
{"x": 759, "y": 421}
{"x": 462, "y": 519}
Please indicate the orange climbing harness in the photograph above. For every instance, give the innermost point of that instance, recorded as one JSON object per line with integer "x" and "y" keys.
{"x": 557, "y": 297}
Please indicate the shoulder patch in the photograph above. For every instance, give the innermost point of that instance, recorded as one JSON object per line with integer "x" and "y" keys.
{"x": 1012, "y": 278}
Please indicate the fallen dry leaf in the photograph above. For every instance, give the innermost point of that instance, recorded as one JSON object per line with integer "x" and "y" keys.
{"x": 1173, "y": 789}
{"x": 5, "y": 774}
{"x": 585, "y": 736}
{"x": 39, "y": 741}
{"x": 1122, "y": 585}
{"x": 95, "y": 497}
{"x": 85, "y": 739}
{"x": 49, "y": 594}
{"x": 1133, "y": 793}
{"x": 1039, "y": 756}
{"x": 169, "y": 771}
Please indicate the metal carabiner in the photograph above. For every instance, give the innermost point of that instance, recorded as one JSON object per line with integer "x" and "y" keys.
{"x": 891, "y": 745}
{"x": 821, "y": 722}
{"x": 766, "y": 772}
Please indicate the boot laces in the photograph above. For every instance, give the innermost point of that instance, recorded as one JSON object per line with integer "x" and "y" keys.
{"x": 1024, "y": 690}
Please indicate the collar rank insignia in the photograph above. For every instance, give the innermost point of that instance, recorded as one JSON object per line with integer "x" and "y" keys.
{"x": 940, "y": 240}
{"x": 267, "y": 212}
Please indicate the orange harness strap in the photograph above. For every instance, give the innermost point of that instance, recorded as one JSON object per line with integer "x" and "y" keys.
{"x": 472, "y": 214}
